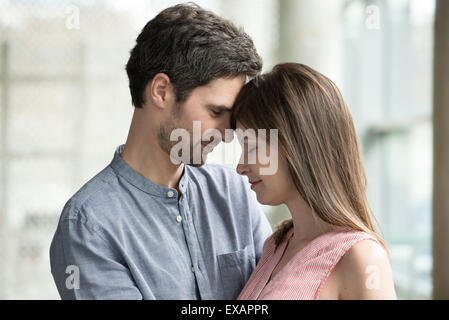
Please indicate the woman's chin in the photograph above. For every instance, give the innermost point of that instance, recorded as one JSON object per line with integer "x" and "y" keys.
{"x": 267, "y": 201}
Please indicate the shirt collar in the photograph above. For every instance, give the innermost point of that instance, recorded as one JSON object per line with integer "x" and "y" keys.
{"x": 137, "y": 180}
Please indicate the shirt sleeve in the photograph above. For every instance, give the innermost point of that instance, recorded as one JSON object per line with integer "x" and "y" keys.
{"x": 261, "y": 226}
{"x": 84, "y": 265}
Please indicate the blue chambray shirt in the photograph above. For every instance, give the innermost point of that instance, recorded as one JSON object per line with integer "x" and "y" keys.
{"x": 123, "y": 237}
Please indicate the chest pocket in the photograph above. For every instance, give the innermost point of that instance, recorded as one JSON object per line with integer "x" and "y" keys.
{"x": 235, "y": 269}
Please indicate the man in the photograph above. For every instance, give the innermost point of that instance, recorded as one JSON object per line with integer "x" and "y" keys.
{"x": 147, "y": 227}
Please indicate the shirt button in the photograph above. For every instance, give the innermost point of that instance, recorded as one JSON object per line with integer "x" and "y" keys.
{"x": 193, "y": 269}
{"x": 179, "y": 218}
{"x": 170, "y": 194}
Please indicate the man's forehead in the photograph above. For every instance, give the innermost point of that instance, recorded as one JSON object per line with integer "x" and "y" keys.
{"x": 217, "y": 93}
{"x": 225, "y": 85}
{"x": 218, "y": 82}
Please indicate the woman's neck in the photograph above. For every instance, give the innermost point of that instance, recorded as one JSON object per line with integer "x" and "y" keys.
{"x": 306, "y": 223}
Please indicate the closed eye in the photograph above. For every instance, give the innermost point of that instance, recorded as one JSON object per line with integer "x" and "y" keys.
{"x": 216, "y": 113}
{"x": 217, "y": 110}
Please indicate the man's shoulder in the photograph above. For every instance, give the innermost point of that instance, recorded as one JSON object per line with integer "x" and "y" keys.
{"x": 93, "y": 193}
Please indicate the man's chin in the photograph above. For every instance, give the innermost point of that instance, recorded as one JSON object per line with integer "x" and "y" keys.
{"x": 196, "y": 164}
{"x": 194, "y": 160}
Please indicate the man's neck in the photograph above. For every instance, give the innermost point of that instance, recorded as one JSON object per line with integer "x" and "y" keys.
{"x": 144, "y": 155}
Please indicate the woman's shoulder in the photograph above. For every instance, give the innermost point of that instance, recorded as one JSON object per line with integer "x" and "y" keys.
{"x": 362, "y": 254}
{"x": 364, "y": 271}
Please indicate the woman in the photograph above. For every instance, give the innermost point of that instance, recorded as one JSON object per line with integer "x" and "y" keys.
{"x": 330, "y": 248}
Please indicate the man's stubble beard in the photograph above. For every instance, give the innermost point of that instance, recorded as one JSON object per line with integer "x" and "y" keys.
{"x": 165, "y": 130}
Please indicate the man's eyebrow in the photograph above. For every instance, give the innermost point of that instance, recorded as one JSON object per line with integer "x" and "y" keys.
{"x": 219, "y": 107}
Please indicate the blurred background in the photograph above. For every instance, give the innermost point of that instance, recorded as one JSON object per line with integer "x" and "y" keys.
{"x": 65, "y": 106}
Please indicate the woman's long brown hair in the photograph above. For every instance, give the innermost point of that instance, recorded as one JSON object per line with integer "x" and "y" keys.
{"x": 318, "y": 140}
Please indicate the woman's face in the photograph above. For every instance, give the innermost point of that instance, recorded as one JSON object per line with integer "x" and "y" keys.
{"x": 273, "y": 188}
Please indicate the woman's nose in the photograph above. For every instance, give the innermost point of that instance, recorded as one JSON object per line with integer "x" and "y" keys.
{"x": 242, "y": 169}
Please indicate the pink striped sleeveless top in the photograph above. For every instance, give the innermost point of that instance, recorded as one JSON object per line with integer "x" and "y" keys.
{"x": 303, "y": 276}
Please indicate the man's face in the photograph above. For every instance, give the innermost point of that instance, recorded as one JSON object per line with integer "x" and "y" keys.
{"x": 211, "y": 106}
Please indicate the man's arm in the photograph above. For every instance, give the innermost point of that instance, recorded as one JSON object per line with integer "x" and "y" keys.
{"x": 85, "y": 266}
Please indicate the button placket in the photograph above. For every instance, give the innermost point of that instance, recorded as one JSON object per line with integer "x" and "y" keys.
{"x": 192, "y": 243}
{"x": 189, "y": 235}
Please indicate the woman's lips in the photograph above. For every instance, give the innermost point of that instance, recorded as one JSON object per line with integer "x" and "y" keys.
{"x": 254, "y": 183}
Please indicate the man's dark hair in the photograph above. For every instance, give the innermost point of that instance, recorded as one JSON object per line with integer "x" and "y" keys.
{"x": 192, "y": 47}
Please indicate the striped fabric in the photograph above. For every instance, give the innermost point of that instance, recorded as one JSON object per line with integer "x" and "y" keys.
{"x": 303, "y": 276}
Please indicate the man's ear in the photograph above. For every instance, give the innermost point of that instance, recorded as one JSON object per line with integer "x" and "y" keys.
{"x": 160, "y": 91}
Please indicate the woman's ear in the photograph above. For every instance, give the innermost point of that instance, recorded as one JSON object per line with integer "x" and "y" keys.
{"x": 160, "y": 91}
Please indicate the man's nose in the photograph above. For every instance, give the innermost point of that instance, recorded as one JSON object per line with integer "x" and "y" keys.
{"x": 220, "y": 134}
{"x": 226, "y": 131}
{"x": 227, "y": 135}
